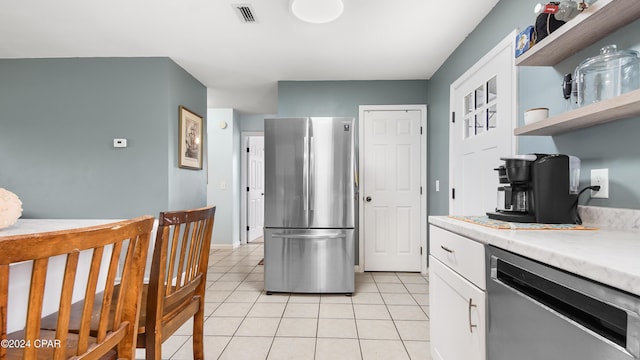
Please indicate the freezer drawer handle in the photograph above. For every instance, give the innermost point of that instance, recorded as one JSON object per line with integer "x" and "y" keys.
{"x": 314, "y": 236}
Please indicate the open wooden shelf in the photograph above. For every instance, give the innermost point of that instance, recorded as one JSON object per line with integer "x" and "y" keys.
{"x": 593, "y": 24}
{"x": 621, "y": 107}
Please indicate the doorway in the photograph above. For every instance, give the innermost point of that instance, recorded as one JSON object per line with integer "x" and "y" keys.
{"x": 392, "y": 189}
{"x": 253, "y": 187}
{"x": 483, "y": 110}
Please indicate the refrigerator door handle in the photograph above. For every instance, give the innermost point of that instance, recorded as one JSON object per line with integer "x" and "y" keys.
{"x": 312, "y": 173}
{"x": 309, "y": 236}
{"x": 305, "y": 175}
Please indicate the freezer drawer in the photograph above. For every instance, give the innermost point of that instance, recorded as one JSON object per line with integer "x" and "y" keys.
{"x": 309, "y": 261}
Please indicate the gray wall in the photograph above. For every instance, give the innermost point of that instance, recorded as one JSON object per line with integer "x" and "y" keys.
{"x": 342, "y": 98}
{"x": 57, "y": 124}
{"x": 223, "y": 189}
{"x": 187, "y": 188}
{"x": 611, "y": 146}
{"x": 253, "y": 122}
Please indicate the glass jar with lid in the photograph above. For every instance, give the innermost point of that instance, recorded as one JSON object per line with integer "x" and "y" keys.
{"x": 610, "y": 74}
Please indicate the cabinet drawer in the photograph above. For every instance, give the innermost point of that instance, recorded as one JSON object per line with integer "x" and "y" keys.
{"x": 463, "y": 255}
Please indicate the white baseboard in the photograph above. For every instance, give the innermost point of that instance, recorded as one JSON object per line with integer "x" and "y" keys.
{"x": 225, "y": 246}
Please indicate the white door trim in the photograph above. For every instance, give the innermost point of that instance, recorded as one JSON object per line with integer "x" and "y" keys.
{"x": 423, "y": 178}
{"x": 507, "y": 42}
{"x": 243, "y": 190}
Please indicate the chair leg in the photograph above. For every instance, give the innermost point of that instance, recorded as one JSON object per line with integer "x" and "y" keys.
{"x": 153, "y": 346}
{"x": 198, "y": 336}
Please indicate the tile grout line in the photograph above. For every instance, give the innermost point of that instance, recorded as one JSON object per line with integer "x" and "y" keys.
{"x": 241, "y": 263}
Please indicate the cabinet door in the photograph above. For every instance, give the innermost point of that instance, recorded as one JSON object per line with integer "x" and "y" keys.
{"x": 457, "y": 315}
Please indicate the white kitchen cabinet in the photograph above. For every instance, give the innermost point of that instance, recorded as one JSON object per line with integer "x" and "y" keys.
{"x": 457, "y": 306}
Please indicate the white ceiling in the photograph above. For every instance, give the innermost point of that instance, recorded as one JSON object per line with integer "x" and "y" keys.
{"x": 240, "y": 63}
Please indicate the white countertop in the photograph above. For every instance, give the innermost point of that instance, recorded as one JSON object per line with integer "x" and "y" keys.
{"x": 611, "y": 257}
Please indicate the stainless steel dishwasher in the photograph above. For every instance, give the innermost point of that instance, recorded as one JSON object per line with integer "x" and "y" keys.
{"x": 538, "y": 312}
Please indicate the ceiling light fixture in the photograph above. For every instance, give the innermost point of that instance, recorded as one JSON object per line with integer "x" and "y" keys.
{"x": 317, "y": 11}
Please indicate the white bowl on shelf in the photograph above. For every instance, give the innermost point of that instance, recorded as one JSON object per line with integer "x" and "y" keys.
{"x": 534, "y": 115}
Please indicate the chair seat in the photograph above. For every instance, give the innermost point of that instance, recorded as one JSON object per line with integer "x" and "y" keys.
{"x": 49, "y": 323}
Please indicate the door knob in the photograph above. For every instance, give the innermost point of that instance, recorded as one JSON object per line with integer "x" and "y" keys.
{"x": 368, "y": 199}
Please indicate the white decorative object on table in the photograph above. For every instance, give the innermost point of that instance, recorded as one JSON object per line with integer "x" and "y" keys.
{"x": 10, "y": 208}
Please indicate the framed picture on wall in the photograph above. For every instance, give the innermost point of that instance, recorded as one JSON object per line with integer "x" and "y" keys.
{"x": 190, "y": 140}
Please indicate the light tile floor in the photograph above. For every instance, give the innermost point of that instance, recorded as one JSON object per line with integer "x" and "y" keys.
{"x": 386, "y": 318}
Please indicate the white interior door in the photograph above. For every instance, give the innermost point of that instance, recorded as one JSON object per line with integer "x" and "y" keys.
{"x": 391, "y": 163}
{"x": 255, "y": 187}
{"x": 483, "y": 106}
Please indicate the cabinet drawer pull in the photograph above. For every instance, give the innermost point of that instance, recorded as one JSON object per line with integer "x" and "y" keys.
{"x": 471, "y": 305}
{"x": 446, "y": 249}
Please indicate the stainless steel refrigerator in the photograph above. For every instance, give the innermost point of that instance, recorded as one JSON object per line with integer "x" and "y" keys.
{"x": 310, "y": 187}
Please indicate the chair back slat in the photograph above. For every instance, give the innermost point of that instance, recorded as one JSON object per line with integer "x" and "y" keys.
{"x": 197, "y": 249}
{"x": 34, "y": 314}
{"x": 89, "y": 296}
{"x": 107, "y": 295}
{"x": 73, "y": 245}
{"x": 124, "y": 284}
{"x": 177, "y": 276}
{"x": 175, "y": 240}
{"x": 193, "y": 239}
{"x": 64, "y": 309}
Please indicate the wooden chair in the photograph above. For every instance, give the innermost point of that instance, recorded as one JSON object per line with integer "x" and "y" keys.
{"x": 178, "y": 280}
{"x": 114, "y": 335}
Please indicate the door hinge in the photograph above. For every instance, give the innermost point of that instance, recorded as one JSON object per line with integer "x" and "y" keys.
{"x": 420, "y": 130}
{"x": 453, "y": 193}
{"x": 247, "y": 189}
{"x": 247, "y": 228}
{"x": 248, "y": 150}
{"x": 420, "y": 250}
{"x": 453, "y": 117}
{"x": 420, "y": 190}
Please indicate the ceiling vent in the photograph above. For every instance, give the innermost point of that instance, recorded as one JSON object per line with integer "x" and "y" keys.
{"x": 245, "y": 13}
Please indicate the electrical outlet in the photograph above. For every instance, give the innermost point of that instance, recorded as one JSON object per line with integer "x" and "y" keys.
{"x": 600, "y": 177}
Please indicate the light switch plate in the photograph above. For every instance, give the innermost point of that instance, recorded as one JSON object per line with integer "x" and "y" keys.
{"x": 600, "y": 177}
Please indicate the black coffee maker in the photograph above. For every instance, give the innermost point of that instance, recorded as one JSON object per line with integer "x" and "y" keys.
{"x": 538, "y": 188}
